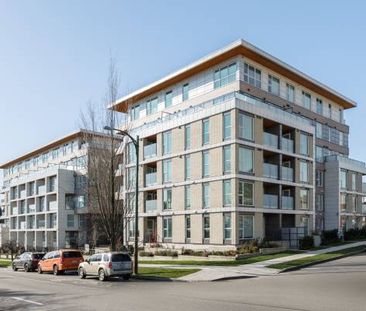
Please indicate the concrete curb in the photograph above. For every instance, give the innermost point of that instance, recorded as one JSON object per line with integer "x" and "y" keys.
{"x": 299, "y": 267}
{"x": 156, "y": 279}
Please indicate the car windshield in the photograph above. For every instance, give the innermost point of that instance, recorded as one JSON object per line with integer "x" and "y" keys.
{"x": 72, "y": 255}
{"x": 120, "y": 257}
{"x": 38, "y": 256}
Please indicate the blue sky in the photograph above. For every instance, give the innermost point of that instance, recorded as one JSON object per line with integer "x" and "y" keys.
{"x": 54, "y": 55}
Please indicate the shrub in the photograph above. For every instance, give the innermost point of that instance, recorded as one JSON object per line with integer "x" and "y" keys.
{"x": 307, "y": 242}
{"x": 330, "y": 236}
{"x": 355, "y": 234}
{"x": 248, "y": 247}
{"x": 167, "y": 252}
{"x": 191, "y": 252}
{"x": 146, "y": 254}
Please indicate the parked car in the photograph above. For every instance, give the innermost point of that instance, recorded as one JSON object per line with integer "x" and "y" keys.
{"x": 105, "y": 265}
{"x": 60, "y": 261}
{"x": 27, "y": 261}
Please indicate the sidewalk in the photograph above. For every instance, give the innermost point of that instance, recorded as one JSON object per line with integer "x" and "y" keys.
{"x": 212, "y": 273}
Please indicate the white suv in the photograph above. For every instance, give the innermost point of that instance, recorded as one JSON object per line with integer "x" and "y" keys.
{"x": 105, "y": 265}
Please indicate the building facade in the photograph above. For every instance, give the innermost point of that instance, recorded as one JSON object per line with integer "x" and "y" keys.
{"x": 235, "y": 146}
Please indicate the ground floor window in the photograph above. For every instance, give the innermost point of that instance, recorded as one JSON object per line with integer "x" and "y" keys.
{"x": 227, "y": 226}
{"x": 206, "y": 227}
{"x": 167, "y": 227}
{"x": 246, "y": 227}
{"x": 188, "y": 227}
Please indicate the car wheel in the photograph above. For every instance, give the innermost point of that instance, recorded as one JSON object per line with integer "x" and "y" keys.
{"x": 14, "y": 267}
{"x": 26, "y": 268}
{"x": 82, "y": 274}
{"x": 126, "y": 277}
{"x": 101, "y": 275}
{"x": 39, "y": 270}
{"x": 55, "y": 270}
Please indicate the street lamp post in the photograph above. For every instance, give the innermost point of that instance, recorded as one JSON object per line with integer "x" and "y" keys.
{"x": 136, "y": 144}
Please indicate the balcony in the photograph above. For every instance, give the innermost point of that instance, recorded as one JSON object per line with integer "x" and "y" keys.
{"x": 287, "y": 202}
{"x": 270, "y": 170}
{"x": 31, "y": 225}
{"x": 41, "y": 224}
{"x": 52, "y": 205}
{"x": 23, "y": 225}
{"x": 22, "y": 194}
{"x": 41, "y": 189}
{"x": 150, "y": 179}
{"x": 270, "y": 201}
{"x": 270, "y": 140}
{"x": 150, "y": 151}
{"x": 14, "y": 211}
{"x": 287, "y": 173}
{"x": 363, "y": 209}
{"x": 287, "y": 145}
{"x": 150, "y": 206}
{"x": 31, "y": 208}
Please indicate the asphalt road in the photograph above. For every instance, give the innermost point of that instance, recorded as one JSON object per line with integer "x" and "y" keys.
{"x": 338, "y": 285}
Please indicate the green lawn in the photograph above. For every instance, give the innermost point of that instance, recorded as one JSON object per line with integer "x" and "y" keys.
{"x": 245, "y": 261}
{"x": 5, "y": 263}
{"x": 316, "y": 258}
{"x": 166, "y": 273}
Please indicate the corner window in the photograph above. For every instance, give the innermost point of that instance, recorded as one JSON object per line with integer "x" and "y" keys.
{"x": 225, "y": 75}
{"x": 206, "y": 227}
{"x": 227, "y": 226}
{"x": 245, "y": 160}
{"x": 227, "y": 192}
{"x": 245, "y": 126}
{"x": 227, "y": 126}
{"x": 246, "y": 227}
{"x": 252, "y": 75}
{"x": 227, "y": 159}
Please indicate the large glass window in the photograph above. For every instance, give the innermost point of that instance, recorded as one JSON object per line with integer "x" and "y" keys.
{"x": 188, "y": 226}
{"x": 185, "y": 91}
{"x": 131, "y": 153}
{"x": 167, "y": 227}
{"x": 319, "y": 106}
{"x": 135, "y": 112}
{"x": 304, "y": 199}
{"x": 206, "y": 226}
{"x": 187, "y": 197}
{"x": 304, "y": 144}
{"x": 187, "y": 137}
{"x": 227, "y": 226}
{"x": 167, "y": 142}
{"x": 224, "y": 75}
{"x": 245, "y": 160}
{"x": 70, "y": 220}
{"x": 245, "y": 126}
{"x": 290, "y": 93}
{"x": 306, "y": 100}
{"x": 205, "y": 164}
{"x": 343, "y": 179}
{"x": 342, "y": 202}
{"x": 246, "y": 227}
{"x": 168, "y": 99}
{"x": 227, "y": 126}
{"x": 252, "y": 75}
{"x": 353, "y": 179}
{"x": 205, "y": 195}
{"x": 304, "y": 171}
{"x": 167, "y": 198}
{"x": 319, "y": 202}
{"x": 227, "y": 159}
{"x": 227, "y": 192}
{"x": 152, "y": 106}
{"x": 205, "y": 132}
{"x": 187, "y": 167}
{"x": 245, "y": 193}
{"x": 319, "y": 130}
{"x": 273, "y": 85}
{"x": 167, "y": 171}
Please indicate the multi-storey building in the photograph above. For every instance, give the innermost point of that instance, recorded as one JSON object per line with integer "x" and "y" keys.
{"x": 236, "y": 146}
{"x": 43, "y": 196}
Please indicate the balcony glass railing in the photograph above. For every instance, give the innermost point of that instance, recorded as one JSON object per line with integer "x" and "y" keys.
{"x": 270, "y": 170}
{"x": 287, "y": 202}
{"x": 150, "y": 179}
{"x": 287, "y": 173}
{"x": 270, "y": 140}
{"x": 287, "y": 145}
{"x": 150, "y": 206}
{"x": 270, "y": 201}
{"x": 41, "y": 189}
{"x": 52, "y": 205}
{"x": 31, "y": 208}
{"x": 150, "y": 151}
{"x": 22, "y": 194}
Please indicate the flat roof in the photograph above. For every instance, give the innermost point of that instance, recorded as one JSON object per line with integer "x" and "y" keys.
{"x": 48, "y": 146}
{"x": 239, "y": 47}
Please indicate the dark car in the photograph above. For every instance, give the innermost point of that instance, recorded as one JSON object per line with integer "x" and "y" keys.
{"x": 27, "y": 261}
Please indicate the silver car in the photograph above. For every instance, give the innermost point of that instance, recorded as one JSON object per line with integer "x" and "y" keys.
{"x": 106, "y": 265}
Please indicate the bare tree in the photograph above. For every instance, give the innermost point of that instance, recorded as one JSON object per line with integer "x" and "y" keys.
{"x": 105, "y": 180}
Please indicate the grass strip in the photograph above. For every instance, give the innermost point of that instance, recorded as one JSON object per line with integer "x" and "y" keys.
{"x": 5, "y": 263}
{"x": 165, "y": 273}
{"x": 317, "y": 258}
{"x": 239, "y": 262}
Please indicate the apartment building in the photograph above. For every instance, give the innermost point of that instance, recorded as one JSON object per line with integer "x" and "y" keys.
{"x": 236, "y": 146}
{"x": 43, "y": 196}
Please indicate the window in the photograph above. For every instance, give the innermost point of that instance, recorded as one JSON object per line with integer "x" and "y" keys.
{"x": 167, "y": 198}
{"x": 245, "y": 160}
{"x": 187, "y": 197}
{"x": 227, "y": 159}
{"x": 353, "y": 204}
{"x": 342, "y": 202}
{"x": 319, "y": 130}
{"x": 55, "y": 153}
{"x": 319, "y": 202}
{"x": 319, "y": 106}
{"x": 205, "y": 132}
{"x": 252, "y": 75}
{"x": 304, "y": 144}
{"x": 246, "y": 227}
{"x": 188, "y": 227}
{"x": 70, "y": 220}
{"x": 187, "y": 137}
{"x": 319, "y": 180}
{"x": 290, "y": 95}
{"x": 131, "y": 153}
{"x": 224, "y": 75}
{"x": 187, "y": 167}
{"x": 135, "y": 112}
{"x": 306, "y": 100}
{"x": 245, "y": 194}
{"x": 227, "y": 126}
{"x": 131, "y": 177}
{"x": 152, "y": 106}
{"x": 318, "y": 154}
{"x": 168, "y": 99}
{"x": 330, "y": 110}
{"x": 167, "y": 142}
{"x": 245, "y": 126}
{"x": 185, "y": 91}
{"x": 343, "y": 179}
{"x": 131, "y": 227}
{"x": 304, "y": 171}
{"x": 167, "y": 227}
{"x": 353, "y": 179}
{"x": 52, "y": 184}
{"x": 205, "y": 195}
{"x": 304, "y": 199}
{"x": 205, "y": 164}
{"x": 227, "y": 226}
{"x": 227, "y": 192}
{"x": 82, "y": 221}
{"x": 206, "y": 227}
{"x": 167, "y": 171}
{"x": 273, "y": 85}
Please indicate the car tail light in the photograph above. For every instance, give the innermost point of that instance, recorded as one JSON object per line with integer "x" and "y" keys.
{"x": 110, "y": 266}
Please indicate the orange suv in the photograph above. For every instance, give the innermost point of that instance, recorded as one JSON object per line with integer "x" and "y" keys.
{"x": 60, "y": 261}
